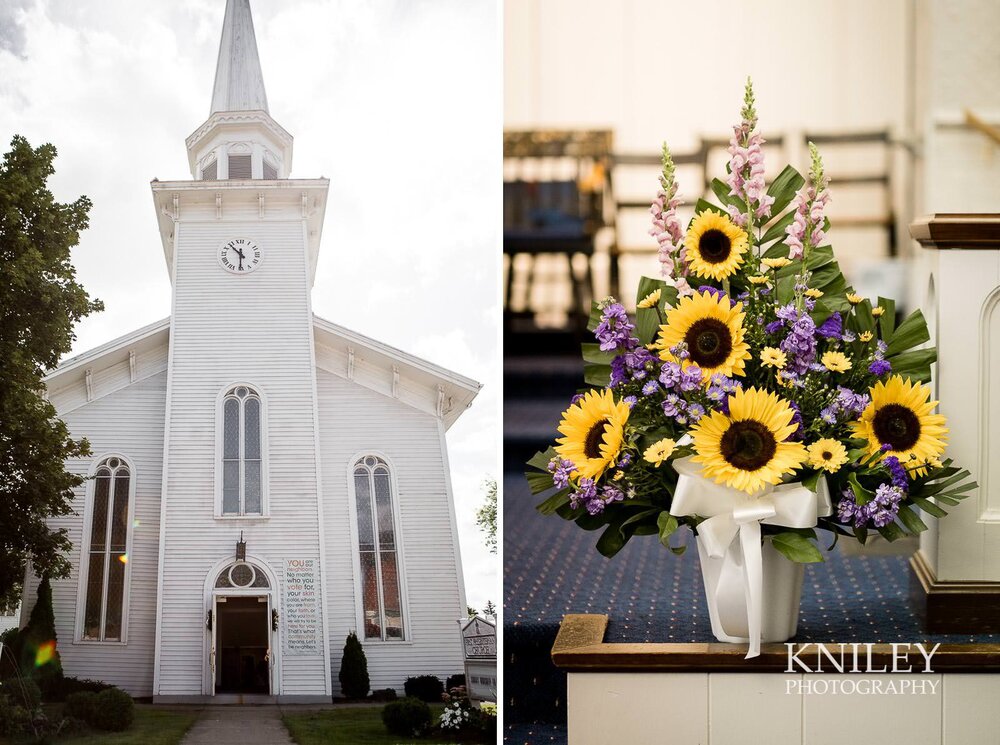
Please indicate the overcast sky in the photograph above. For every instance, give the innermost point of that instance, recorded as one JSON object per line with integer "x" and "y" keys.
{"x": 396, "y": 102}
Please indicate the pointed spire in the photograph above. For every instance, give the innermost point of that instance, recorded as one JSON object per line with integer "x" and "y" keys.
{"x": 239, "y": 83}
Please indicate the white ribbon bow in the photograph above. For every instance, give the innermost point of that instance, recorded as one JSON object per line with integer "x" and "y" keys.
{"x": 731, "y": 514}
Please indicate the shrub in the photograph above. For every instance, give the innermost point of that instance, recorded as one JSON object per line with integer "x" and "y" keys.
{"x": 21, "y": 692}
{"x": 114, "y": 710}
{"x": 81, "y": 705}
{"x": 354, "y": 681}
{"x": 408, "y": 717}
{"x": 385, "y": 694}
{"x": 70, "y": 685}
{"x": 425, "y": 687}
{"x": 14, "y": 718}
{"x": 22, "y": 652}
{"x": 455, "y": 681}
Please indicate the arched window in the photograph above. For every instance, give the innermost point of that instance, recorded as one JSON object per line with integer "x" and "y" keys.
{"x": 242, "y": 464}
{"x": 380, "y": 586}
{"x": 107, "y": 557}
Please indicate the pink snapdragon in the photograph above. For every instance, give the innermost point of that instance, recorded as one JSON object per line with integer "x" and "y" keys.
{"x": 806, "y": 230}
{"x": 746, "y": 166}
{"x": 667, "y": 228}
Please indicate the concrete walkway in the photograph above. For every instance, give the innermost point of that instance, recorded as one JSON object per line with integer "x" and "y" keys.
{"x": 238, "y": 725}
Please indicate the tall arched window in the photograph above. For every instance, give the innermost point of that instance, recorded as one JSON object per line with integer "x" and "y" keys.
{"x": 107, "y": 558}
{"x": 242, "y": 466}
{"x": 380, "y": 585}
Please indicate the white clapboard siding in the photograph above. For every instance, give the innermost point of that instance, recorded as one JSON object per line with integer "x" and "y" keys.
{"x": 354, "y": 419}
{"x": 128, "y": 421}
{"x": 225, "y": 328}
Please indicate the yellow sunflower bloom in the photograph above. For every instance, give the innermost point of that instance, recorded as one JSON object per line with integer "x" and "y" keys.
{"x": 776, "y": 263}
{"x": 865, "y": 336}
{"x": 593, "y": 430}
{"x": 715, "y": 245}
{"x": 854, "y": 299}
{"x": 836, "y": 362}
{"x": 659, "y": 451}
{"x": 650, "y": 300}
{"x": 772, "y": 357}
{"x": 900, "y": 417}
{"x": 758, "y": 280}
{"x": 827, "y": 455}
{"x": 748, "y": 449}
{"x": 713, "y": 331}
{"x": 877, "y": 311}
{"x": 813, "y": 293}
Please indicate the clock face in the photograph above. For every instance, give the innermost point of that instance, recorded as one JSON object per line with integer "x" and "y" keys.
{"x": 240, "y": 256}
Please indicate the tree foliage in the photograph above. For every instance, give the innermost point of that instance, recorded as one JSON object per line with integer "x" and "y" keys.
{"x": 40, "y": 301}
{"x": 486, "y": 515}
{"x": 354, "y": 680}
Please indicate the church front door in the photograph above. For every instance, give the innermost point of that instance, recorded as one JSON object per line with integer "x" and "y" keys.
{"x": 242, "y": 647}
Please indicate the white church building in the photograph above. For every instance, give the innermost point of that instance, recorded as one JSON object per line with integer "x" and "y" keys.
{"x": 263, "y": 481}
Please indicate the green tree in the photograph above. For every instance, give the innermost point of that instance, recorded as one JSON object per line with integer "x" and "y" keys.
{"x": 354, "y": 680}
{"x": 486, "y": 515}
{"x": 40, "y": 301}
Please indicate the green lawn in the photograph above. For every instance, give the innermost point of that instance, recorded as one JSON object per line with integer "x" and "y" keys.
{"x": 151, "y": 727}
{"x": 347, "y": 726}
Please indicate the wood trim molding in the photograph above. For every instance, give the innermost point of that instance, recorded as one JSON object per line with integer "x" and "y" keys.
{"x": 580, "y": 647}
{"x": 948, "y": 230}
{"x": 952, "y": 607}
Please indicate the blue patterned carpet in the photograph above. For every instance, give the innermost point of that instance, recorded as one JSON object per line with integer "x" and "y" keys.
{"x": 551, "y": 568}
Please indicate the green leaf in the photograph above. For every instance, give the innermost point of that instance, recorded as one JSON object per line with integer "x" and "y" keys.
{"x": 891, "y": 532}
{"x": 592, "y": 352}
{"x": 540, "y": 460}
{"x": 777, "y": 229}
{"x": 861, "y": 534}
{"x": 887, "y": 323}
{"x": 597, "y": 375}
{"x": 553, "y": 503}
{"x": 721, "y": 190}
{"x": 915, "y": 364}
{"x": 647, "y": 320}
{"x": 611, "y": 541}
{"x": 910, "y": 333}
{"x": 861, "y": 494}
{"x": 911, "y": 520}
{"x": 796, "y": 548}
{"x": 783, "y": 188}
{"x": 929, "y": 507}
{"x": 594, "y": 320}
{"x": 539, "y": 481}
{"x": 668, "y": 525}
{"x": 701, "y": 205}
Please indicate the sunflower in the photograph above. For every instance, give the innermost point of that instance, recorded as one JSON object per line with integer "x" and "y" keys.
{"x": 878, "y": 310}
{"x": 854, "y": 299}
{"x": 715, "y": 245}
{"x": 713, "y": 331}
{"x": 749, "y": 448}
{"x": 650, "y": 300}
{"x": 659, "y": 451}
{"x": 865, "y": 336}
{"x": 813, "y": 293}
{"x": 836, "y": 362}
{"x": 827, "y": 455}
{"x": 899, "y": 418}
{"x": 593, "y": 431}
{"x": 776, "y": 263}
{"x": 758, "y": 280}
{"x": 773, "y": 357}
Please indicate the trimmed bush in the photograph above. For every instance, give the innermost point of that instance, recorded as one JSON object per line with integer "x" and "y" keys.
{"x": 354, "y": 681}
{"x": 385, "y": 694}
{"x": 114, "y": 710}
{"x": 21, "y": 692}
{"x": 425, "y": 687}
{"x": 455, "y": 681}
{"x": 81, "y": 705}
{"x": 70, "y": 685}
{"x": 408, "y": 717}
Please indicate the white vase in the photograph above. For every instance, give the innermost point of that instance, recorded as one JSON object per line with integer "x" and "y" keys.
{"x": 782, "y": 591}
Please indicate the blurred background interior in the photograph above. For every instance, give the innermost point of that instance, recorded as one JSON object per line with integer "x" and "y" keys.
{"x": 902, "y": 97}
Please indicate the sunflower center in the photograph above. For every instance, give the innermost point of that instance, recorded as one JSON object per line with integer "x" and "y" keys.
{"x": 709, "y": 342}
{"x": 714, "y": 246}
{"x": 595, "y": 436}
{"x": 827, "y": 455}
{"x": 896, "y": 426}
{"x": 748, "y": 445}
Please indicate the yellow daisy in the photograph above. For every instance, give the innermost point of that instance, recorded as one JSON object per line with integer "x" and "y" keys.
{"x": 748, "y": 449}
{"x": 758, "y": 280}
{"x": 827, "y": 455}
{"x": 854, "y": 299}
{"x": 713, "y": 331}
{"x": 659, "y": 451}
{"x": 715, "y": 245}
{"x": 878, "y": 310}
{"x": 865, "y": 336}
{"x": 900, "y": 417}
{"x": 813, "y": 293}
{"x": 650, "y": 300}
{"x": 593, "y": 431}
{"x": 836, "y": 362}
{"x": 777, "y": 263}
{"x": 772, "y": 357}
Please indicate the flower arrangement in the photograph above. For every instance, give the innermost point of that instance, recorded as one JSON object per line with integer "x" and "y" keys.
{"x": 751, "y": 365}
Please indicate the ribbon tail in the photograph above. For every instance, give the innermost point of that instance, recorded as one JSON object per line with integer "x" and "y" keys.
{"x": 753, "y": 567}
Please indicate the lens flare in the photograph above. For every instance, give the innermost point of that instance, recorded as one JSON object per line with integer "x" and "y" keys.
{"x": 123, "y": 558}
{"x": 45, "y": 652}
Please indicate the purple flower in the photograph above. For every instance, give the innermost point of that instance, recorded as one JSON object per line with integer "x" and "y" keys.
{"x": 800, "y": 344}
{"x": 650, "y": 388}
{"x": 630, "y": 400}
{"x": 619, "y": 371}
{"x": 625, "y": 461}
{"x": 715, "y": 291}
{"x": 639, "y": 374}
{"x": 670, "y": 374}
{"x": 878, "y": 368}
{"x": 897, "y": 471}
{"x": 612, "y": 494}
{"x": 880, "y": 349}
{"x": 800, "y": 431}
{"x": 575, "y": 398}
{"x": 586, "y": 492}
{"x": 832, "y": 327}
{"x": 615, "y": 330}
{"x": 829, "y": 414}
{"x": 561, "y": 470}
{"x": 774, "y": 327}
{"x": 691, "y": 378}
{"x": 673, "y": 405}
{"x": 787, "y": 313}
{"x": 695, "y": 411}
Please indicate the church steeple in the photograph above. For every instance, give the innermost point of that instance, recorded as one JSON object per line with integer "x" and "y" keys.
{"x": 239, "y": 83}
{"x": 240, "y": 141}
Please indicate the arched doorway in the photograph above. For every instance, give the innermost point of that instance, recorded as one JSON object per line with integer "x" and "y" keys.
{"x": 242, "y": 626}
